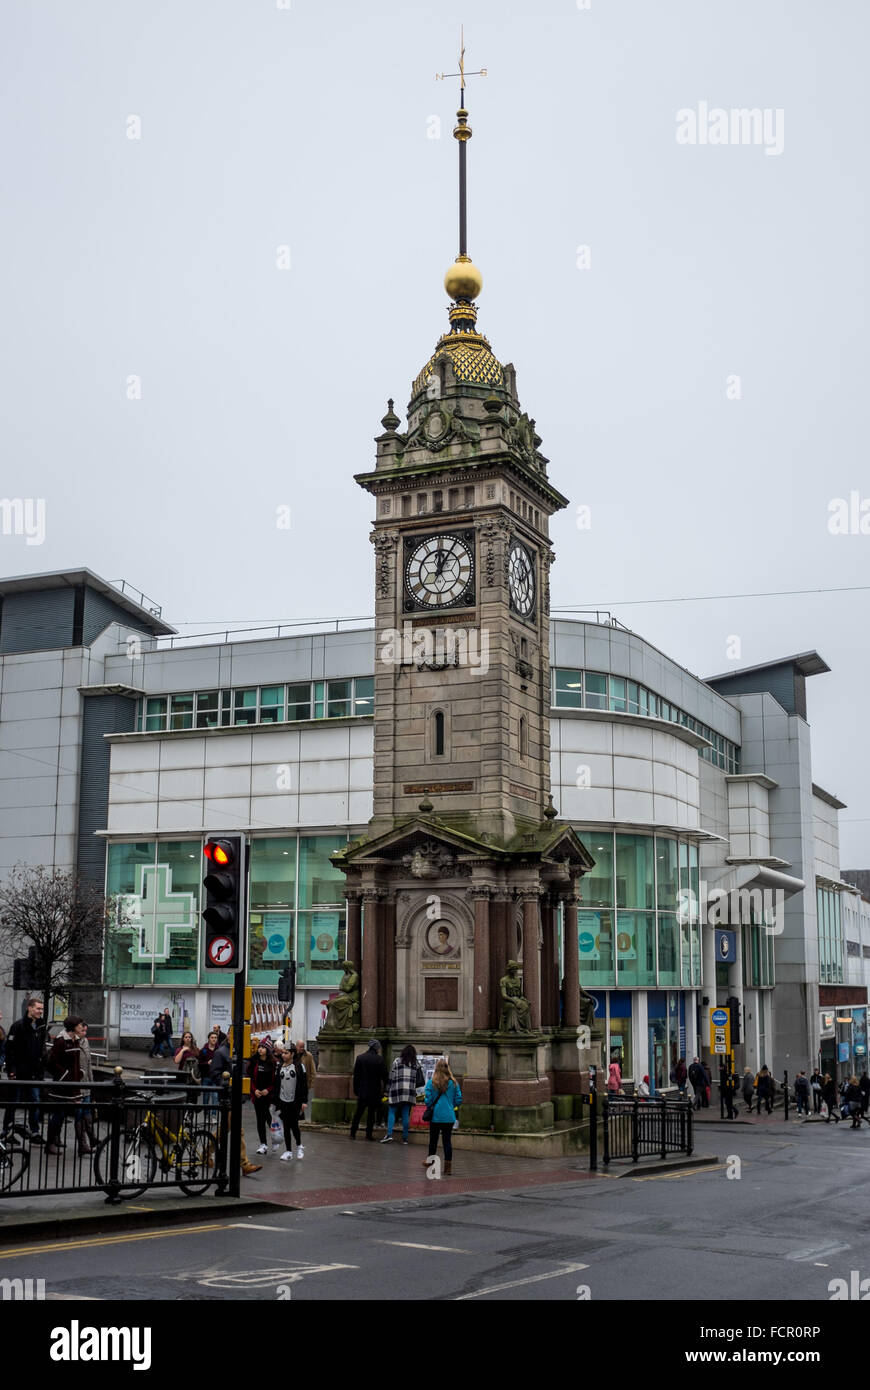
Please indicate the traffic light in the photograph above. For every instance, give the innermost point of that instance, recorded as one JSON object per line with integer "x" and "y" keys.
{"x": 733, "y": 1003}
{"x": 25, "y": 971}
{"x": 225, "y": 902}
{"x": 287, "y": 984}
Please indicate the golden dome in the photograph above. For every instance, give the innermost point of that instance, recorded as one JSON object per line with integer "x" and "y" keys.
{"x": 471, "y": 358}
{"x": 463, "y": 279}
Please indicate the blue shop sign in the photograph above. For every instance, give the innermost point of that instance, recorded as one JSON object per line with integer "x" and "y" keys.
{"x": 726, "y": 946}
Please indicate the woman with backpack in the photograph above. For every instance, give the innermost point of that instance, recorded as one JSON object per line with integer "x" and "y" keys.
{"x": 406, "y": 1078}
{"x": 263, "y": 1071}
{"x": 443, "y": 1099}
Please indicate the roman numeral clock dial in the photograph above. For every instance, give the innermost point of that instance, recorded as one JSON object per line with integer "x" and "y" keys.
{"x": 439, "y": 573}
{"x": 521, "y": 580}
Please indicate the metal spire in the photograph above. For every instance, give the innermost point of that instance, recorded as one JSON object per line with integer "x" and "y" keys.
{"x": 462, "y": 133}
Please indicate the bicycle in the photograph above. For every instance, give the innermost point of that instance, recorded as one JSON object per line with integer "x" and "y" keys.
{"x": 191, "y": 1154}
{"x": 14, "y": 1159}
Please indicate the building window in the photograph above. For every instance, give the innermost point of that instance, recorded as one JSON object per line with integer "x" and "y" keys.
{"x": 338, "y": 699}
{"x": 155, "y": 714}
{"x": 364, "y": 695}
{"x": 181, "y": 711}
{"x": 245, "y": 706}
{"x": 522, "y": 736}
{"x": 272, "y": 704}
{"x": 438, "y": 733}
{"x": 299, "y": 701}
{"x": 266, "y": 704}
{"x": 574, "y": 689}
{"x": 207, "y": 709}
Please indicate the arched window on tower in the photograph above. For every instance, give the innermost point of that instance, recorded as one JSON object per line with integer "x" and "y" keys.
{"x": 438, "y": 734}
{"x": 523, "y": 737}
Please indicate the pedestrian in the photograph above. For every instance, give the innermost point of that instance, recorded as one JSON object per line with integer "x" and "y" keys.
{"x": 708, "y": 1083}
{"x": 698, "y": 1079}
{"x": 614, "y": 1079}
{"x": 186, "y": 1051}
{"x": 211, "y": 1072}
{"x": 309, "y": 1064}
{"x": 406, "y": 1077}
{"x": 369, "y": 1080}
{"x": 65, "y": 1064}
{"x": 764, "y": 1091}
{"x": 816, "y": 1088}
{"x": 25, "y": 1053}
{"x": 263, "y": 1070}
{"x": 643, "y": 1089}
{"x": 679, "y": 1075}
{"x": 443, "y": 1099}
{"x": 852, "y": 1102}
{"x": 726, "y": 1092}
{"x": 167, "y": 1033}
{"x": 864, "y": 1086}
{"x": 802, "y": 1093}
{"x": 87, "y": 1109}
{"x": 748, "y": 1089}
{"x": 292, "y": 1095}
{"x": 830, "y": 1098}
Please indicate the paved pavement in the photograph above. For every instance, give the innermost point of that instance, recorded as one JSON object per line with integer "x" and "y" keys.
{"x": 777, "y": 1218}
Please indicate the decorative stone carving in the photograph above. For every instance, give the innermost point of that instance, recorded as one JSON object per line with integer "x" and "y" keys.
{"x": 516, "y": 1011}
{"x": 429, "y": 860}
{"x": 491, "y": 532}
{"x": 342, "y": 1013}
{"x": 385, "y": 543}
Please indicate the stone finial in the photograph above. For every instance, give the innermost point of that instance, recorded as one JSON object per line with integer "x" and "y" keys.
{"x": 426, "y": 805}
{"x": 550, "y": 812}
{"x": 391, "y": 420}
{"x": 492, "y": 404}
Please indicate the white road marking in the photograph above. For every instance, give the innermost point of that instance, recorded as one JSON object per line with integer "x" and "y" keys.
{"x": 413, "y": 1245}
{"x": 516, "y": 1283}
{"x": 807, "y": 1254}
{"x": 73, "y": 1297}
{"x": 250, "y": 1226}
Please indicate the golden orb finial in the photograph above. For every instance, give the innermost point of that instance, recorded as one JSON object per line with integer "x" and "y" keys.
{"x": 463, "y": 279}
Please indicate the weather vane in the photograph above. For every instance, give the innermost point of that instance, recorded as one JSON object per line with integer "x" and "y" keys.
{"x": 462, "y": 133}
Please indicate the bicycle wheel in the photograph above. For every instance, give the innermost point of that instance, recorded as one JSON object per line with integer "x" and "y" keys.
{"x": 137, "y": 1162}
{"x": 196, "y": 1164}
{"x": 14, "y": 1162}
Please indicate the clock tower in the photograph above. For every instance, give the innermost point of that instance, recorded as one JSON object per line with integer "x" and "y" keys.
{"x": 457, "y": 891}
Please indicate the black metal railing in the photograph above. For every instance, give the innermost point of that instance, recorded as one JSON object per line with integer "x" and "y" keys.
{"x": 639, "y": 1129}
{"x": 112, "y": 1136}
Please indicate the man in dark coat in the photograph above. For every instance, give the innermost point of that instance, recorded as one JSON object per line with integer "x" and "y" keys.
{"x": 698, "y": 1078}
{"x": 25, "y": 1062}
{"x": 370, "y": 1079}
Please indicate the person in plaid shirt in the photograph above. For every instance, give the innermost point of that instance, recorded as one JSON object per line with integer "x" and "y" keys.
{"x": 406, "y": 1076}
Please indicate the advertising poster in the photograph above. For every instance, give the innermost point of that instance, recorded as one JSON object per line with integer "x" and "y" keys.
{"x": 589, "y": 926}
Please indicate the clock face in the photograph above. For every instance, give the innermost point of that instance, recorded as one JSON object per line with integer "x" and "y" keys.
{"x": 521, "y": 579}
{"x": 438, "y": 572}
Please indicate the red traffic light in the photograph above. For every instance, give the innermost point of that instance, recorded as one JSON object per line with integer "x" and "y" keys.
{"x": 219, "y": 851}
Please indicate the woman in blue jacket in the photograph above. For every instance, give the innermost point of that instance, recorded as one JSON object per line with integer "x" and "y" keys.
{"x": 445, "y": 1097}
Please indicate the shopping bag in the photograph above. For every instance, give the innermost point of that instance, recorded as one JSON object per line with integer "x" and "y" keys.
{"x": 824, "y": 1110}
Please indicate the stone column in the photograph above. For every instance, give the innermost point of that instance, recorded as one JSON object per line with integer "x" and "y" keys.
{"x": 481, "y": 1003}
{"x": 353, "y": 948}
{"x": 572, "y": 960}
{"x": 387, "y": 993}
{"x": 531, "y": 953}
{"x": 498, "y": 957}
{"x": 549, "y": 978}
{"x": 370, "y": 956}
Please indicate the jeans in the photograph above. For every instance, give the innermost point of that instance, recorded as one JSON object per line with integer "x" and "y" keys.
{"x": 445, "y": 1131}
{"x": 768, "y": 1105}
{"x": 802, "y": 1106}
{"x": 405, "y": 1107}
{"x": 33, "y": 1117}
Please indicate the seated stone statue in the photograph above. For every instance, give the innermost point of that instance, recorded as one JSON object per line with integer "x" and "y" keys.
{"x": 342, "y": 1013}
{"x": 516, "y": 1011}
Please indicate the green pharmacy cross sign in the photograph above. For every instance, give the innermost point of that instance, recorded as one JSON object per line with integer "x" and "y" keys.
{"x": 155, "y": 912}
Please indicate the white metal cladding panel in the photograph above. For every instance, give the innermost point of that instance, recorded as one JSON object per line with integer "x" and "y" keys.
{"x": 31, "y": 673}
{"x": 129, "y": 786}
{"x": 135, "y": 756}
{"x": 30, "y": 733}
{"x": 177, "y": 752}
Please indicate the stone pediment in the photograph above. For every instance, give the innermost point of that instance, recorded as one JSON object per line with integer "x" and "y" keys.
{"x": 427, "y": 848}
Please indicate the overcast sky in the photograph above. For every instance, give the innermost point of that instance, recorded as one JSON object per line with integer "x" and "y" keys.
{"x": 309, "y": 127}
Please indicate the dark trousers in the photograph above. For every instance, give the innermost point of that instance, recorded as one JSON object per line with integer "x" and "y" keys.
{"x": 444, "y": 1132}
{"x": 817, "y": 1102}
{"x": 372, "y": 1106}
{"x": 768, "y": 1105}
{"x": 290, "y": 1120}
{"x": 263, "y": 1112}
{"x": 32, "y": 1117}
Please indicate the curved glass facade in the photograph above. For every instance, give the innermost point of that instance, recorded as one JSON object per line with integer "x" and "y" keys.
{"x": 574, "y": 689}
{"x": 631, "y": 932}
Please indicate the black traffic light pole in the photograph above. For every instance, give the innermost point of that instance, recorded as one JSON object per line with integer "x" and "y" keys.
{"x": 226, "y": 948}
